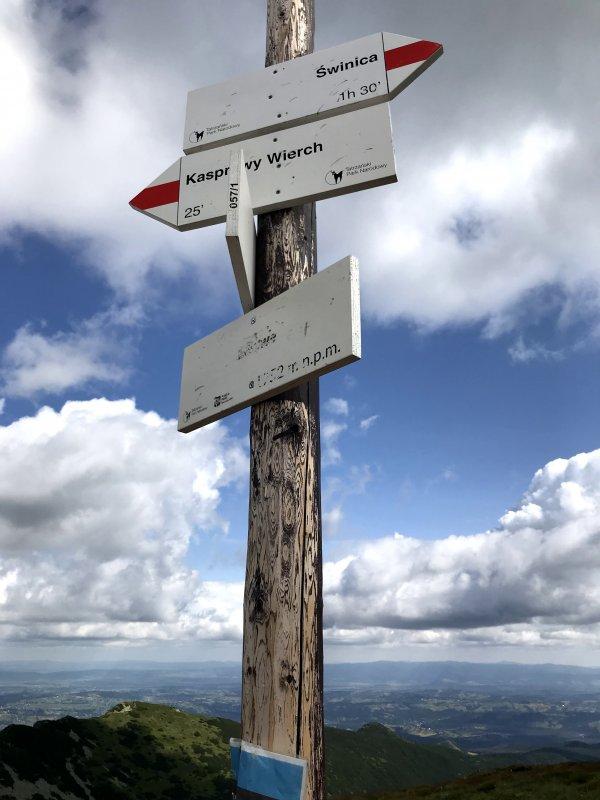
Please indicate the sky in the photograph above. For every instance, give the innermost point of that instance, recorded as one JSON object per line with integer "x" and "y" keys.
{"x": 461, "y": 455}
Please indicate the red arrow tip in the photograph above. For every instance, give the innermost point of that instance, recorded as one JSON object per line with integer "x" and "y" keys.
{"x": 411, "y": 54}
{"x": 156, "y": 196}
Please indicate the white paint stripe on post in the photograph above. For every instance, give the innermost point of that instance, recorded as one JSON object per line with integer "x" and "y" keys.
{"x": 240, "y": 232}
{"x": 310, "y": 329}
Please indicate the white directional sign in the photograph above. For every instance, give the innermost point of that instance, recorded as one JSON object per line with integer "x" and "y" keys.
{"x": 352, "y": 75}
{"x": 240, "y": 232}
{"x": 294, "y": 166}
{"x": 309, "y": 330}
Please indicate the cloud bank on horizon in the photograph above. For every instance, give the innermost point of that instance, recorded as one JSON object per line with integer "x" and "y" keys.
{"x": 532, "y": 581}
{"x": 99, "y": 503}
{"x": 495, "y": 201}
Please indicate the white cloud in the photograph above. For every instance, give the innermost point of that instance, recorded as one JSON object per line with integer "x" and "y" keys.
{"x": 332, "y": 520}
{"x": 337, "y": 405}
{"x": 483, "y": 230}
{"x": 98, "y": 504}
{"x": 368, "y": 422}
{"x": 449, "y": 474}
{"x": 495, "y": 199}
{"x": 2, "y": 404}
{"x": 523, "y": 353}
{"x": 93, "y": 352}
{"x": 97, "y": 102}
{"x": 352, "y": 483}
{"x": 338, "y": 488}
{"x": 534, "y": 579}
{"x": 359, "y": 477}
{"x": 330, "y": 432}
{"x": 495, "y": 202}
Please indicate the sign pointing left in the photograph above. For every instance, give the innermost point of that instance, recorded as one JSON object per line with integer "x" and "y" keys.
{"x": 160, "y": 199}
{"x": 298, "y": 165}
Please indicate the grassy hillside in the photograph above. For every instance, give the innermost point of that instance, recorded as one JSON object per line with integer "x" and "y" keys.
{"x": 374, "y": 758}
{"x": 141, "y": 750}
{"x": 558, "y": 782}
{"x": 153, "y": 752}
{"x": 136, "y": 750}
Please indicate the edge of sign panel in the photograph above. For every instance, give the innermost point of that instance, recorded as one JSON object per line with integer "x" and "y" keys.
{"x": 240, "y": 233}
{"x": 355, "y": 307}
{"x": 164, "y": 213}
{"x": 353, "y": 355}
{"x": 298, "y": 201}
{"x": 282, "y": 125}
{"x": 294, "y": 123}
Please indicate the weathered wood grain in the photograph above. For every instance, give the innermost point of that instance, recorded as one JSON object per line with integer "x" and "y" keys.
{"x": 282, "y": 683}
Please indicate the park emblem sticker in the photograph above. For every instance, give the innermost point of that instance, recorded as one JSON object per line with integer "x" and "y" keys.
{"x": 334, "y": 177}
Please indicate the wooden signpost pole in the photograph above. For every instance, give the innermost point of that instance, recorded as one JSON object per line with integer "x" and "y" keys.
{"x": 279, "y": 115}
{"x": 282, "y": 684}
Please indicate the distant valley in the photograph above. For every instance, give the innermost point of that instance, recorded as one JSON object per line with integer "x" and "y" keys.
{"x": 482, "y": 708}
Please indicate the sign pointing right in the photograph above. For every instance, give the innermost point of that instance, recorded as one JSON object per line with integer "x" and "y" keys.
{"x": 353, "y": 75}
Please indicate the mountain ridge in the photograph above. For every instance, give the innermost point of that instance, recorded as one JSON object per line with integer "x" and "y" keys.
{"x": 153, "y": 752}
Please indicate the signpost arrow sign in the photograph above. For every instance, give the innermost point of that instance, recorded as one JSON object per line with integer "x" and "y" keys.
{"x": 294, "y": 166}
{"x": 309, "y": 330}
{"x": 240, "y": 232}
{"x": 353, "y": 75}
{"x": 161, "y": 198}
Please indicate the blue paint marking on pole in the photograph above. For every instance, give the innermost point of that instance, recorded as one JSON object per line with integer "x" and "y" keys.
{"x": 235, "y": 746}
{"x": 261, "y": 775}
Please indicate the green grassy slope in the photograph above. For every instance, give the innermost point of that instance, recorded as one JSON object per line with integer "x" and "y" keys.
{"x": 374, "y": 758}
{"x": 144, "y": 751}
{"x": 136, "y": 750}
{"x": 555, "y": 782}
